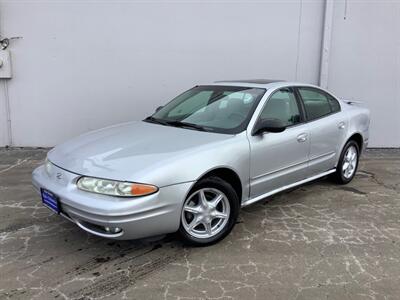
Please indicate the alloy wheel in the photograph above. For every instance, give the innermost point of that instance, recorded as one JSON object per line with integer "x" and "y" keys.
{"x": 349, "y": 162}
{"x": 205, "y": 213}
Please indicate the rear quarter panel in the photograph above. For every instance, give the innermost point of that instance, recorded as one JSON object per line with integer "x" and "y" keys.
{"x": 358, "y": 118}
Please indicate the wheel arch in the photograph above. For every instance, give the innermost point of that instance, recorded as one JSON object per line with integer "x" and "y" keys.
{"x": 358, "y": 138}
{"x": 229, "y": 176}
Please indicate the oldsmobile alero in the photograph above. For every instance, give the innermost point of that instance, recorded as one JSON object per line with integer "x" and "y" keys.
{"x": 196, "y": 161}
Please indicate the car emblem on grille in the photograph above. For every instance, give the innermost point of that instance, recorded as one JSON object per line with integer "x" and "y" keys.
{"x": 59, "y": 175}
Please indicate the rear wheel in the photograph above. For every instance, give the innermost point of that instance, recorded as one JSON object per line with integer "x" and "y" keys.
{"x": 348, "y": 163}
{"x": 209, "y": 212}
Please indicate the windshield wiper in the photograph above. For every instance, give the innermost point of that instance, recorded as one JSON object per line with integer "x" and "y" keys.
{"x": 174, "y": 123}
{"x": 155, "y": 120}
{"x": 184, "y": 124}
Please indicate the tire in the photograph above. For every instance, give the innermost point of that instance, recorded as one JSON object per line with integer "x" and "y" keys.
{"x": 209, "y": 213}
{"x": 344, "y": 175}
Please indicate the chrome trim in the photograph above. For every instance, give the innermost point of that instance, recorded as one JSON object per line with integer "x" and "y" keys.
{"x": 258, "y": 198}
{"x": 106, "y": 235}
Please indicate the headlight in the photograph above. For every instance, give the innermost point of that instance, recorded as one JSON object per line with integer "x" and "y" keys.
{"x": 115, "y": 188}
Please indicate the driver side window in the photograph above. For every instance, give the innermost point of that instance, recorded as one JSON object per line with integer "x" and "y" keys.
{"x": 282, "y": 105}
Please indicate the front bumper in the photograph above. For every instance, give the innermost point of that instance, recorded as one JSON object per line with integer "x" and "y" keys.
{"x": 140, "y": 217}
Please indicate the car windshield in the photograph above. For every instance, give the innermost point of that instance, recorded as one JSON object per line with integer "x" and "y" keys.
{"x": 222, "y": 109}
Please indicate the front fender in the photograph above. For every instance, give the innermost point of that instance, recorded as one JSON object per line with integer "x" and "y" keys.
{"x": 232, "y": 154}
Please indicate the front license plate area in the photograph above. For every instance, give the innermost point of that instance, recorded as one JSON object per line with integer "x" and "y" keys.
{"x": 50, "y": 200}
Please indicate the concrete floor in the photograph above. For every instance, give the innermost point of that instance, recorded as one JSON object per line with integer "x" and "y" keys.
{"x": 318, "y": 241}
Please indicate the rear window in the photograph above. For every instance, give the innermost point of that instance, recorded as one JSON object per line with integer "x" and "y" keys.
{"x": 316, "y": 103}
{"x": 335, "y": 106}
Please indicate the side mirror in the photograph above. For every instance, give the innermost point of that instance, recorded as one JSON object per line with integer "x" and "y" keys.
{"x": 268, "y": 125}
{"x": 158, "y": 108}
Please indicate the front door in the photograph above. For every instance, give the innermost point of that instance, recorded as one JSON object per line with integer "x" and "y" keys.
{"x": 279, "y": 159}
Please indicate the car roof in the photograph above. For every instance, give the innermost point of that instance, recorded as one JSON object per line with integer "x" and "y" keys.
{"x": 257, "y": 81}
{"x": 261, "y": 83}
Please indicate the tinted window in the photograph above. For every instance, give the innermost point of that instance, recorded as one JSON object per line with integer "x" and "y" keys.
{"x": 315, "y": 102}
{"x": 282, "y": 105}
{"x": 335, "y": 106}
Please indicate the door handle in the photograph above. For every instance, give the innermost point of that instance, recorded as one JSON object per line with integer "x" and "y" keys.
{"x": 301, "y": 138}
{"x": 341, "y": 125}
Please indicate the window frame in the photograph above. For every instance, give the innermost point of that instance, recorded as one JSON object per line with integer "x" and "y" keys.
{"x": 299, "y": 103}
{"x": 327, "y": 95}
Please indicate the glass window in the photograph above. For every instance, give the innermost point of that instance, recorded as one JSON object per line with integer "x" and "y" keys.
{"x": 282, "y": 105}
{"x": 225, "y": 109}
{"x": 315, "y": 102}
{"x": 335, "y": 106}
{"x": 192, "y": 104}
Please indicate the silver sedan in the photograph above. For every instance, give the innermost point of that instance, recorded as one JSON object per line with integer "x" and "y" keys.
{"x": 196, "y": 161}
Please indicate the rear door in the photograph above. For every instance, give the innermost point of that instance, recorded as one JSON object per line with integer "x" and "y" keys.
{"x": 279, "y": 159}
{"x": 327, "y": 127}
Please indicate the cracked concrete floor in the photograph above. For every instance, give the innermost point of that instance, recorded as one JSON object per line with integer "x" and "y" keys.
{"x": 317, "y": 241}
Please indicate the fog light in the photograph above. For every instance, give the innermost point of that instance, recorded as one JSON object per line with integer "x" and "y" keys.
{"x": 112, "y": 229}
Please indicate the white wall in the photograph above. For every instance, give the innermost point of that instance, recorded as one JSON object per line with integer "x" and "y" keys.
{"x": 365, "y": 63}
{"x": 81, "y": 66}
{"x": 84, "y": 65}
{"x": 3, "y": 116}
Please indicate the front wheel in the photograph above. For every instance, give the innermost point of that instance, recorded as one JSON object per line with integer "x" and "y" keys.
{"x": 209, "y": 212}
{"x": 348, "y": 163}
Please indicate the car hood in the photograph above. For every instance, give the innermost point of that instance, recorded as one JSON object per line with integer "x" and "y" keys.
{"x": 125, "y": 151}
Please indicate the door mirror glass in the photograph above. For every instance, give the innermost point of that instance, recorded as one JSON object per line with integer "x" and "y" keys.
{"x": 269, "y": 125}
